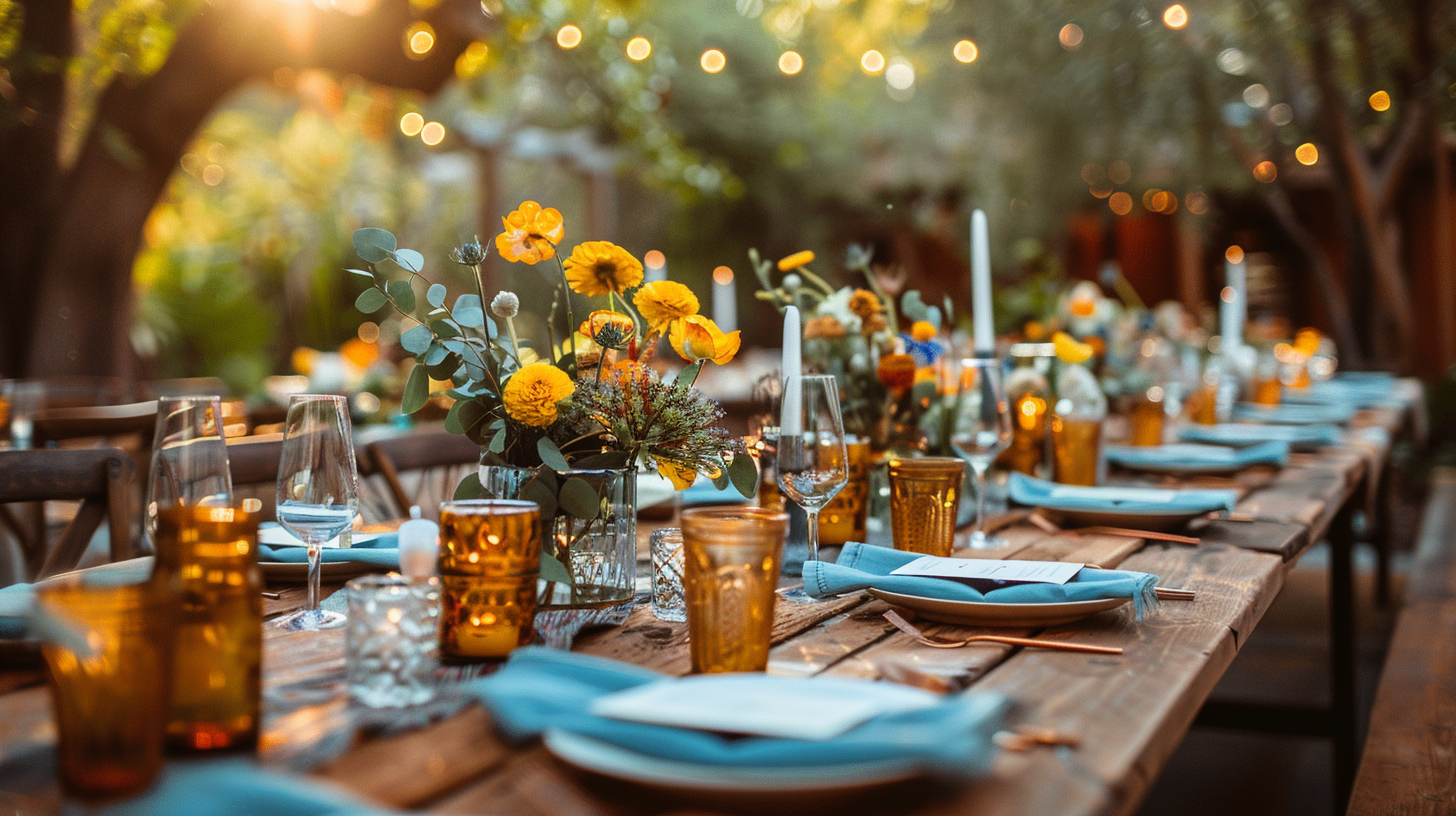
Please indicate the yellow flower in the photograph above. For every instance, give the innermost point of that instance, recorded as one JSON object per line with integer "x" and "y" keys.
{"x": 1035, "y": 332}
{"x": 796, "y": 260}
{"x": 531, "y": 233}
{"x": 924, "y": 374}
{"x": 865, "y": 304}
{"x": 1069, "y": 350}
{"x": 531, "y": 394}
{"x": 302, "y": 360}
{"x": 602, "y": 318}
{"x": 662, "y": 302}
{"x": 897, "y": 371}
{"x": 697, "y": 338}
{"x": 826, "y": 326}
{"x": 922, "y": 332}
{"x": 599, "y": 267}
{"x": 1307, "y": 341}
{"x": 681, "y": 476}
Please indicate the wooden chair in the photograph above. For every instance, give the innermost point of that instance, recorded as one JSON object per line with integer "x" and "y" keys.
{"x": 254, "y": 461}
{"x": 432, "y": 462}
{"x": 100, "y": 478}
{"x": 60, "y": 424}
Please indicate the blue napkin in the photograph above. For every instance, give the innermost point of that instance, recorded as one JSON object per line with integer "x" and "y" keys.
{"x": 1243, "y": 434}
{"x": 862, "y": 566}
{"x": 15, "y": 603}
{"x": 1035, "y": 492}
{"x": 703, "y": 493}
{"x": 1196, "y": 458}
{"x": 227, "y": 787}
{"x": 16, "y": 599}
{"x": 540, "y": 689}
{"x": 1292, "y": 414}
{"x": 382, "y": 550}
{"x": 1360, "y": 394}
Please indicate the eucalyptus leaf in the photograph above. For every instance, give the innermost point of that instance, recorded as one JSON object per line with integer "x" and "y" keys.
{"x": 470, "y": 488}
{"x": 436, "y": 353}
{"x": 364, "y": 273}
{"x": 444, "y": 329}
{"x": 553, "y": 570}
{"x": 370, "y": 301}
{"x": 452, "y": 419}
{"x": 932, "y": 316}
{"x": 580, "y": 499}
{"x": 611, "y": 460}
{"x": 551, "y": 455}
{"x": 435, "y": 295}
{"x": 469, "y": 312}
{"x": 418, "y": 340}
{"x": 498, "y": 442}
{"x": 543, "y": 495}
{"x": 404, "y": 296}
{"x": 374, "y": 244}
{"x": 410, "y": 260}
{"x": 446, "y": 368}
{"x": 912, "y": 306}
{"x": 744, "y": 473}
{"x": 416, "y": 391}
{"x": 472, "y": 416}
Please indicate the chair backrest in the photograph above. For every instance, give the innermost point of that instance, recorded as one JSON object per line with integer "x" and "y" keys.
{"x": 422, "y": 467}
{"x": 99, "y": 478}
{"x": 57, "y": 424}
{"x": 254, "y": 461}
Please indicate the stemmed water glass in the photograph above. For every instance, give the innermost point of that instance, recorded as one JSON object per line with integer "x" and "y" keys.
{"x": 189, "y": 458}
{"x": 318, "y": 490}
{"x": 813, "y": 462}
{"x": 982, "y": 430}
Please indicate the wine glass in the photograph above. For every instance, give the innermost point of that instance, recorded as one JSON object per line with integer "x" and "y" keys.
{"x": 813, "y": 461}
{"x": 318, "y": 490}
{"x": 189, "y": 458}
{"x": 982, "y": 430}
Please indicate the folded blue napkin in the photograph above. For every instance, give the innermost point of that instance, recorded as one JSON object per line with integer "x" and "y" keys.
{"x": 1243, "y": 434}
{"x": 1360, "y": 394}
{"x": 1035, "y": 492}
{"x": 540, "y": 689}
{"x": 227, "y": 787}
{"x": 1364, "y": 377}
{"x": 1292, "y": 414}
{"x": 382, "y": 550}
{"x": 16, "y": 600}
{"x": 1196, "y": 458}
{"x": 861, "y": 566}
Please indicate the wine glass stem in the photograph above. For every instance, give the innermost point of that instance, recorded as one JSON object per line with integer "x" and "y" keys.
{"x": 315, "y": 574}
{"x": 813, "y": 533}
{"x": 979, "y": 474}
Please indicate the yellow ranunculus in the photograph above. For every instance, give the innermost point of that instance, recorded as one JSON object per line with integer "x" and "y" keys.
{"x": 697, "y": 338}
{"x": 796, "y": 260}
{"x": 923, "y": 331}
{"x": 1069, "y": 350}
{"x": 662, "y": 302}
{"x": 681, "y": 476}
{"x": 531, "y": 233}
{"x": 531, "y": 394}
{"x": 598, "y": 267}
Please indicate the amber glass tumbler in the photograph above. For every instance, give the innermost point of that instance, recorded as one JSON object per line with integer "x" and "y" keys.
{"x": 732, "y": 556}
{"x": 843, "y": 519}
{"x": 110, "y": 688}
{"x": 925, "y": 495}
{"x": 490, "y": 557}
{"x": 1076, "y": 445}
{"x": 207, "y": 559}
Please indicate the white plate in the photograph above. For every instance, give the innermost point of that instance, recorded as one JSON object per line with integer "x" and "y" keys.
{"x": 717, "y": 785}
{"x": 973, "y": 613}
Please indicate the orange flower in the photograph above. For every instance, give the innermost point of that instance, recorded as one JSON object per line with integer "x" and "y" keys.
{"x": 697, "y": 338}
{"x": 796, "y": 260}
{"x": 923, "y": 331}
{"x": 1069, "y": 350}
{"x": 598, "y": 267}
{"x": 1034, "y": 331}
{"x": 626, "y": 372}
{"x": 531, "y": 233}
{"x": 872, "y": 325}
{"x": 665, "y": 302}
{"x": 865, "y": 304}
{"x": 601, "y": 319}
{"x": 827, "y": 326}
{"x": 897, "y": 371}
{"x": 532, "y": 393}
{"x": 681, "y": 476}
{"x": 362, "y": 354}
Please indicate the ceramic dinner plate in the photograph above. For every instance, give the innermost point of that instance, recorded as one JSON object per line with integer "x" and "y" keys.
{"x": 972, "y": 613}
{"x": 1139, "y": 520}
{"x": 719, "y": 785}
{"x": 285, "y": 573}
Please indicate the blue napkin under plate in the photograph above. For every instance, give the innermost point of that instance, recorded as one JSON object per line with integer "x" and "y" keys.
{"x": 382, "y": 549}
{"x": 1195, "y": 458}
{"x": 862, "y": 566}
{"x": 1293, "y": 414}
{"x": 540, "y": 689}
{"x": 1244, "y": 434}
{"x": 1034, "y": 492}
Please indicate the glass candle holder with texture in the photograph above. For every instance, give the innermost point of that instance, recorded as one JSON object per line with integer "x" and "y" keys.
{"x": 392, "y": 640}
{"x": 490, "y": 557}
{"x": 843, "y": 519}
{"x": 925, "y": 495}
{"x": 110, "y": 684}
{"x": 732, "y": 557}
{"x": 207, "y": 558}
{"x": 668, "y": 600}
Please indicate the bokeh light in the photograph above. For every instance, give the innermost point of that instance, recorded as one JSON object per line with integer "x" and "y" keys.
{"x": 1307, "y": 154}
{"x": 1228, "y": 295}
{"x": 419, "y": 38}
{"x": 432, "y": 133}
{"x": 654, "y": 259}
{"x": 1070, "y": 36}
{"x": 1256, "y": 96}
{"x": 1234, "y": 254}
{"x": 872, "y": 62}
{"x": 900, "y": 75}
{"x": 1175, "y": 16}
{"x": 638, "y": 48}
{"x": 1121, "y": 203}
{"x": 1196, "y": 202}
{"x": 411, "y": 123}
{"x": 791, "y": 63}
{"x": 472, "y": 61}
{"x": 569, "y": 36}
{"x": 713, "y": 61}
{"x": 1380, "y": 100}
{"x": 1119, "y": 172}
{"x": 966, "y": 51}
{"x": 1265, "y": 171}
{"x": 722, "y": 276}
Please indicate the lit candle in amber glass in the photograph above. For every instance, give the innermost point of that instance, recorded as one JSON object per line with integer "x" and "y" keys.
{"x": 490, "y": 557}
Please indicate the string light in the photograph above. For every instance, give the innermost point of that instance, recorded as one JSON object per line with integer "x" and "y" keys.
{"x": 1121, "y": 203}
{"x": 872, "y": 62}
{"x": 1070, "y": 36}
{"x": 966, "y": 51}
{"x": 1307, "y": 154}
{"x": 419, "y": 38}
{"x": 1234, "y": 254}
{"x": 569, "y": 36}
{"x": 713, "y": 61}
{"x": 638, "y": 48}
{"x": 432, "y": 133}
{"x": 791, "y": 63}
{"x": 1265, "y": 171}
{"x": 1175, "y": 16}
{"x": 411, "y": 123}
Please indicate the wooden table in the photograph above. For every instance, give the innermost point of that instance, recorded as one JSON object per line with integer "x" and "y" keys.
{"x": 1130, "y": 711}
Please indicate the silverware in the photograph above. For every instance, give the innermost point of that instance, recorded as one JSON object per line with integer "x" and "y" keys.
{"x": 946, "y": 643}
{"x": 1167, "y": 594}
{"x": 1127, "y": 533}
{"x": 273, "y": 595}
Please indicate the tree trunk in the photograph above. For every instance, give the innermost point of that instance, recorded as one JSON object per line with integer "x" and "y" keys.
{"x": 91, "y": 234}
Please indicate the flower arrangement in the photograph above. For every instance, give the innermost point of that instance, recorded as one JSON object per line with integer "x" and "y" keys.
{"x": 591, "y": 401}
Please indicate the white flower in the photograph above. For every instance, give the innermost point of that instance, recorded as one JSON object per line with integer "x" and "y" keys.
{"x": 505, "y": 304}
{"x": 837, "y": 305}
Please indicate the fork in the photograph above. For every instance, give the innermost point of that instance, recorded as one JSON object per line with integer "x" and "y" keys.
{"x": 946, "y": 643}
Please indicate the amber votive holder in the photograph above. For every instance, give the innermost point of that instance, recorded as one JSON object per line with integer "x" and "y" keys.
{"x": 207, "y": 560}
{"x": 490, "y": 558}
{"x": 1076, "y": 450}
{"x": 1146, "y": 419}
{"x": 925, "y": 495}
{"x": 111, "y": 687}
{"x": 732, "y": 557}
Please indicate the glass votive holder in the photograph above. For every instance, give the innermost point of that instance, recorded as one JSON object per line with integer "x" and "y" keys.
{"x": 668, "y": 600}
{"x": 392, "y": 640}
{"x": 490, "y": 558}
{"x": 732, "y": 556}
{"x": 925, "y": 496}
{"x": 110, "y": 684}
{"x": 207, "y": 559}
